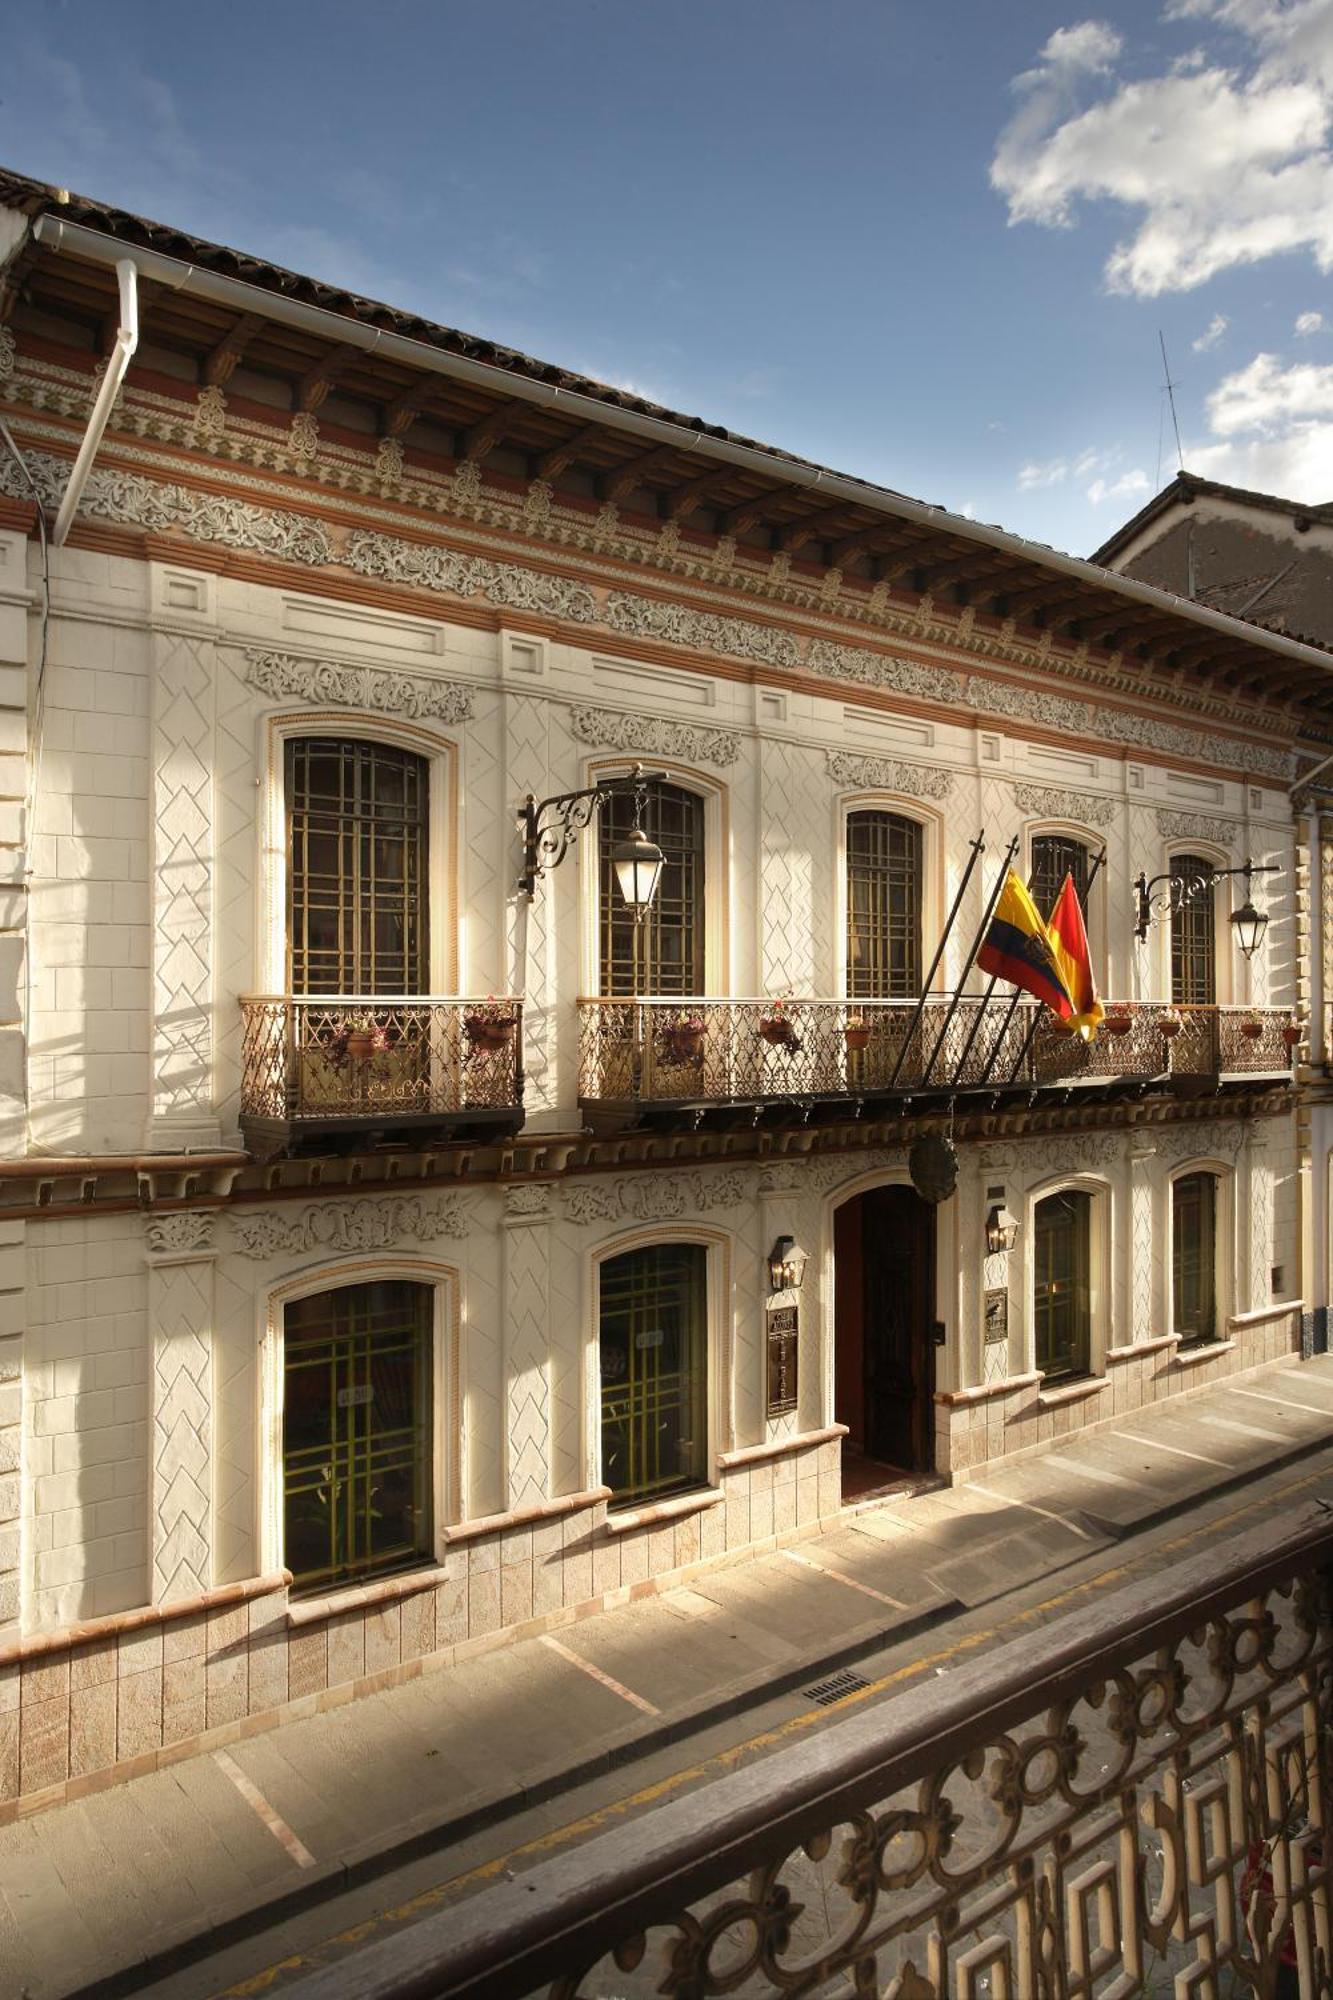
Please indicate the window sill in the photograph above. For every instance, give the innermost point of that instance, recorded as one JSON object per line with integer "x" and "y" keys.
{"x": 1200, "y": 1350}
{"x": 665, "y": 1510}
{"x": 1071, "y": 1392}
{"x": 361, "y": 1596}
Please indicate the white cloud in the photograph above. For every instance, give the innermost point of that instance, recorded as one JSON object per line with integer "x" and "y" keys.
{"x": 1271, "y": 429}
{"x": 1211, "y": 334}
{"x": 1220, "y": 161}
{"x": 1054, "y": 471}
{"x": 1268, "y": 398}
{"x": 1308, "y": 323}
{"x": 1123, "y": 488}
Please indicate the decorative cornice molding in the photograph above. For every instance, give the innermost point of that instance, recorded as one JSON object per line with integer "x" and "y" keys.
{"x": 180, "y": 1233}
{"x": 884, "y": 774}
{"x": 7, "y": 351}
{"x": 352, "y": 1225}
{"x": 1044, "y": 802}
{"x": 1196, "y": 826}
{"x": 655, "y": 1197}
{"x": 143, "y": 502}
{"x": 328, "y": 683}
{"x": 655, "y": 736}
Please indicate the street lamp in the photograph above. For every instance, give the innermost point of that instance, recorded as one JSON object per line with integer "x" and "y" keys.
{"x": 786, "y": 1265}
{"x": 1188, "y": 885}
{"x": 551, "y": 824}
{"x": 1001, "y": 1229}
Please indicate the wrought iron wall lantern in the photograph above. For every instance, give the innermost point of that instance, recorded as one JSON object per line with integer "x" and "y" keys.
{"x": 1166, "y": 894}
{"x": 786, "y": 1265}
{"x": 1001, "y": 1229}
{"x": 549, "y": 825}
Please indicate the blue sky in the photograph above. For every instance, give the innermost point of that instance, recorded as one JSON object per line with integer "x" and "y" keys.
{"x": 929, "y": 244}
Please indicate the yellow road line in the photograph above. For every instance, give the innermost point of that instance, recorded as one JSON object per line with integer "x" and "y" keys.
{"x": 272, "y": 1819}
{"x": 724, "y": 1760}
{"x": 607, "y": 1680}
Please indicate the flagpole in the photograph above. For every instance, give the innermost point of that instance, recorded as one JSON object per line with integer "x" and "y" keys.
{"x": 1031, "y": 1035}
{"x": 978, "y": 847}
{"x": 982, "y": 928}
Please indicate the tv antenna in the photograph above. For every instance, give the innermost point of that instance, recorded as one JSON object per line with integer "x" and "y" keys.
{"x": 1171, "y": 399}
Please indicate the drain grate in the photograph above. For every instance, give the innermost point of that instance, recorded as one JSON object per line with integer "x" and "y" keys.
{"x": 833, "y": 1689}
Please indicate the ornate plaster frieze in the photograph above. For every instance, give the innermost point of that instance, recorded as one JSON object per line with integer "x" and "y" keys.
{"x": 1196, "y": 826}
{"x": 821, "y": 1176}
{"x": 885, "y": 774}
{"x": 1075, "y": 1153}
{"x": 1217, "y": 1138}
{"x": 303, "y": 435}
{"x": 180, "y": 1232}
{"x": 6, "y": 353}
{"x": 527, "y": 1199}
{"x": 1083, "y": 718}
{"x": 210, "y": 415}
{"x": 351, "y": 1225}
{"x": 1044, "y": 802}
{"x": 329, "y": 683}
{"x": 131, "y": 497}
{"x": 655, "y": 736}
{"x": 663, "y": 1197}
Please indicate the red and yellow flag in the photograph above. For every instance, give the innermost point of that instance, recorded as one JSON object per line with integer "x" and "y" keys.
{"x": 1069, "y": 942}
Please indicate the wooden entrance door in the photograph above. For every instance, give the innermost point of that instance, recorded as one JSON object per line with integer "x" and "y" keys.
{"x": 884, "y": 1253}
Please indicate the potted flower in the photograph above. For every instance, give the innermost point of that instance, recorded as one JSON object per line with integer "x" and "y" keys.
{"x": 490, "y": 1024}
{"x": 682, "y": 1037}
{"x": 1251, "y": 1027}
{"x": 857, "y": 1032}
{"x": 1170, "y": 1022}
{"x": 356, "y": 1039}
{"x": 779, "y": 1030}
{"x": 1292, "y": 1033}
{"x": 1117, "y": 1021}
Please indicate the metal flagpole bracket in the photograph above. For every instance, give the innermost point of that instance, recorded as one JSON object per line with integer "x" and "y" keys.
{"x": 549, "y": 825}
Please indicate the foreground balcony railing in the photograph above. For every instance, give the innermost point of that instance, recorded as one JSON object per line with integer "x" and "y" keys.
{"x": 314, "y": 1065}
{"x": 1132, "y": 1799}
{"x": 645, "y": 1052}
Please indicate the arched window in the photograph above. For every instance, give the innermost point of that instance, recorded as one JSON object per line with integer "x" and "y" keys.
{"x": 356, "y": 1431}
{"x": 1194, "y": 937}
{"x": 357, "y": 877}
{"x": 1062, "y": 1282}
{"x": 1055, "y": 855}
{"x": 1194, "y": 1257}
{"x": 653, "y": 1337}
{"x": 662, "y": 954}
{"x": 884, "y": 888}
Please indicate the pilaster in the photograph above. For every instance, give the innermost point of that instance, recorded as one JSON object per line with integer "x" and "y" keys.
{"x": 12, "y": 1297}
{"x": 181, "y": 1261}
{"x": 1258, "y": 1210}
{"x": 527, "y": 1345}
{"x": 1146, "y": 1311}
{"x": 16, "y": 600}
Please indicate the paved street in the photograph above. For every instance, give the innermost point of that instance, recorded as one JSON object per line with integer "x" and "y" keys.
{"x": 217, "y": 1868}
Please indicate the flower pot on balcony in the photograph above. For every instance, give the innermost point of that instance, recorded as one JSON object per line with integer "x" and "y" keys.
{"x": 1170, "y": 1025}
{"x": 360, "y": 1045}
{"x": 489, "y": 1031}
{"x": 779, "y": 1033}
{"x": 1291, "y": 1035}
{"x": 683, "y": 1041}
{"x": 1251, "y": 1030}
{"x": 1117, "y": 1024}
{"x": 857, "y": 1034}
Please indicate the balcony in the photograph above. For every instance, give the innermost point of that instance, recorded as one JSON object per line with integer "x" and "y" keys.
{"x": 365, "y": 1067}
{"x": 643, "y": 1057}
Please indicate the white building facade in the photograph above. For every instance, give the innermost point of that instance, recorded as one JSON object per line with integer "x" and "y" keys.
{"x": 390, "y": 1261}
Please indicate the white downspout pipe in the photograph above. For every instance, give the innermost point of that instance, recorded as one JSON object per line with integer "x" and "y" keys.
{"x": 127, "y": 339}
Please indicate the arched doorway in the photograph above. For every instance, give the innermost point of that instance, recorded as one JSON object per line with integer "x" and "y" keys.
{"x": 884, "y": 1353}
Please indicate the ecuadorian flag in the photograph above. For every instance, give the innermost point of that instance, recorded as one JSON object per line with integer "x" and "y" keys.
{"x": 1069, "y": 941}
{"x": 1017, "y": 947}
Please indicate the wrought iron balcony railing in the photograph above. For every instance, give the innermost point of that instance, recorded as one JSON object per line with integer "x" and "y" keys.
{"x": 646, "y": 1052}
{"x": 313, "y": 1065}
{"x": 1131, "y": 1799}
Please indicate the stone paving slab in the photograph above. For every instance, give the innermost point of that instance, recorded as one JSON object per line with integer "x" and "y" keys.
{"x": 432, "y": 1764}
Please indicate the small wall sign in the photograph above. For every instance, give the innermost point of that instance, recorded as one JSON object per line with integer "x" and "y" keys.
{"x": 783, "y": 1330}
{"x": 997, "y": 1315}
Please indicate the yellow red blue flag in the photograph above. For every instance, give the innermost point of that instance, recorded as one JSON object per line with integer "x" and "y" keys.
{"x": 1017, "y": 947}
{"x": 1069, "y": 941}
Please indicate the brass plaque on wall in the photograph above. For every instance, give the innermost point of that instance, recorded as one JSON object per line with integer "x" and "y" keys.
{"x": 782, "y": 1334}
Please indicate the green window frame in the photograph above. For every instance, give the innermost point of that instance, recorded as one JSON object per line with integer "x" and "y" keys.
{"x": 1062, "y": 1283}
{"x": 653, "y": 1350}
{"x": 357, "y": 1423}
{"x": 885, "y": 873}
{"x": 358, "y": 834}
{"x": 661, "y": 954}
{"x": 1194, "y": 1258}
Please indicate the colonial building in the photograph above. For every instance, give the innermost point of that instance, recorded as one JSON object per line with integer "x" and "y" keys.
{"x": 401, "y": 1239}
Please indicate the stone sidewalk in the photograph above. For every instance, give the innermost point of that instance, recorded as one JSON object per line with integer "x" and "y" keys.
{"x": 108, "y": 1891}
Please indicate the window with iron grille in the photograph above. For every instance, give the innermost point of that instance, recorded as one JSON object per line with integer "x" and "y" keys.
{"x": 1194, "y": 1257}
{"x": 356, "y": 1432}
{"x": 357, "y": 835}
{"x": 653, "y": 1337}
{"x": 1194, "y": 937}
{"x": 1062, "y": 1283}
{"x": 663, "y": 954}
{"x": 1055, "y": 855}
{"x": 884, "y": 888}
